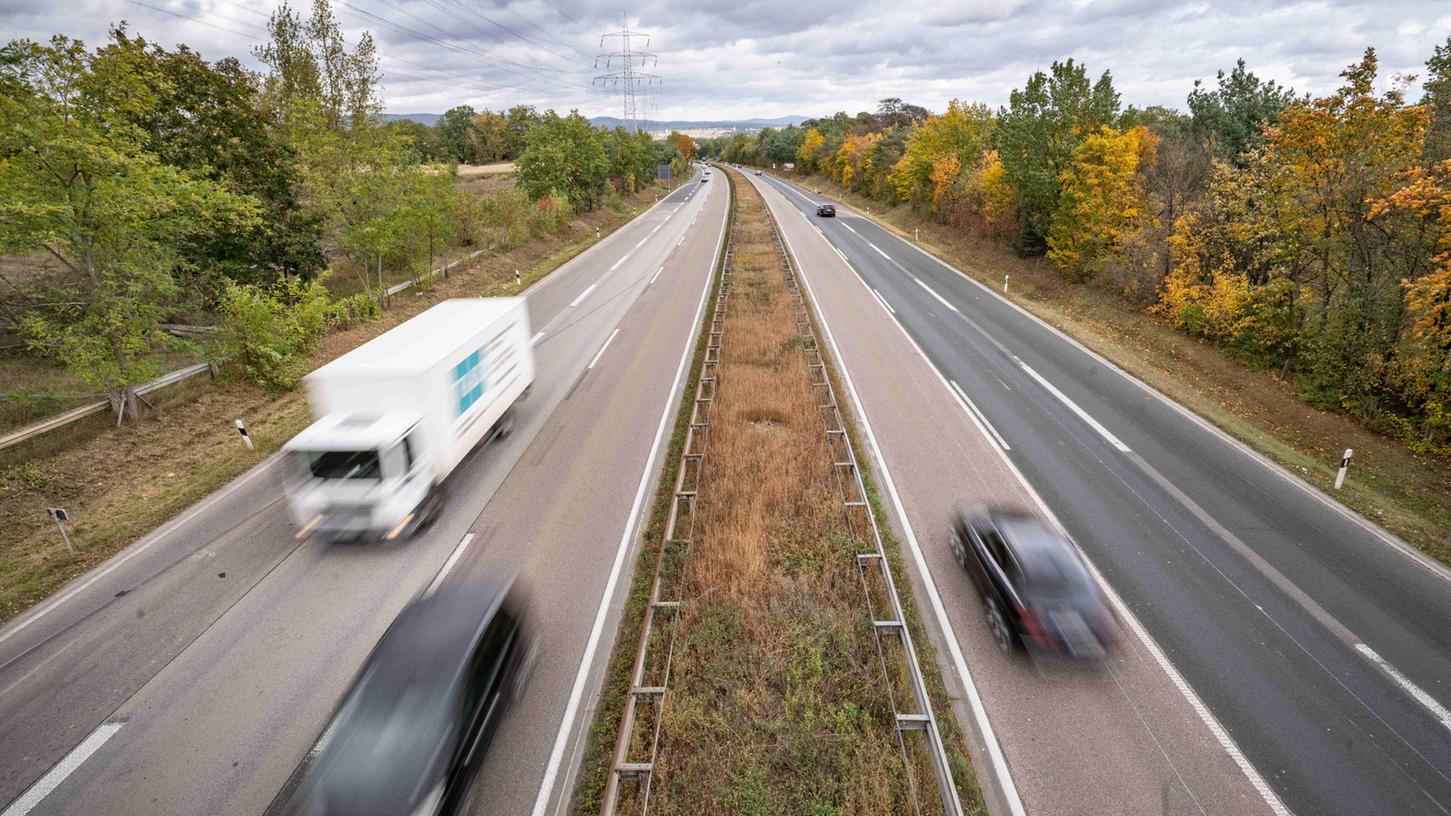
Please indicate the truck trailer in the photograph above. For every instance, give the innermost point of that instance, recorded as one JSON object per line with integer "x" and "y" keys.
{"x": 396, "y": 415}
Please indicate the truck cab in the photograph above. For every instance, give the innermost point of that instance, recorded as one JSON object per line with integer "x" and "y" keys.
{"x": 362, "y": 476}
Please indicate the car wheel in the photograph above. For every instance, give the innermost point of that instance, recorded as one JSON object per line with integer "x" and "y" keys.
{"x": 959, "y": 552}
{"x": 998, "y": 625}
{"x": 526, "y": 668}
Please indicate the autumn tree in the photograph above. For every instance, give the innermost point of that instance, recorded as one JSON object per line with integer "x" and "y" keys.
{"x": 807, "y": 154}
{"x": 1036, "y": 134}
{"x": 963, "y": 132}
{"x": 1102, "y": 198}
{"x": 683, "y": 144}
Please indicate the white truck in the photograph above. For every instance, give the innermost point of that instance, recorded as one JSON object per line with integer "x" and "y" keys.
{"x": 396, "y": 415}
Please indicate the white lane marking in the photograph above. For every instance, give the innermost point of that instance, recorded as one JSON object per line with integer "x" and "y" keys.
{"x": 601, "y": 352}
{"x": 656, "y": 275}
{"x": 681, "y": 241}
{"x": 571, "y": 708}
{"x": 933, "y": 293}
{"x": 142, "y": 547}
{"x": 535, "y": 340}
{"x": 879, "y": 251}
{"x": 853, "y": 232}
{"x": 38, "y": 666}
{"x": 979, "y": 417}
{"x": 448, "y": 565}
{"x": 67, "y": 766}
{"x": 818, "y": 230}
{"x": 884, "y": 302}
{"x": 842, "y": 254}
{"x": 585, "y": 293}
{"x": 1412, "y": 554}
{"x": 642, "y": 241}
{"x": 616, "y": 264}
{"x": 999, "y": 762}
{"x": 1073, "y": 406}
{"x": 1437, "y": 710}
{"x": 1227, "y": 743}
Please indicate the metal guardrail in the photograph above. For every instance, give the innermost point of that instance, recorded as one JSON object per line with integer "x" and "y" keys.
{"x": 76, "y": 414}
{"x": 650, "y": 677}
{"x": 916, "y": 716}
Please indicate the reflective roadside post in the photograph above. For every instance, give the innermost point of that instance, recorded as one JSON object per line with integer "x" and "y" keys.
{"x": 1344, "y": 464}
{"x": 1005, "y": 284}
{"x": 59, "y": 516}
{"x": 246, "y": 437}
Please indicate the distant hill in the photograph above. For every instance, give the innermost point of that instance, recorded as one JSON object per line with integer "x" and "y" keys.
{"x": 425, "y": 118}
{"x": 611, "y": 122}
{"x": 694, "y": 124}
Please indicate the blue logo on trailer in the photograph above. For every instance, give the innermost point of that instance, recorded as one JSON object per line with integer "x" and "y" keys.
{"x": 468, "y": 382}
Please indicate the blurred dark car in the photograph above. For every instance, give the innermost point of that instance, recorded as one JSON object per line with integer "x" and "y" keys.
{"x": 826, "y": 210}
{"x": 412, "y": 731}
{"x": 1037, "y": 592}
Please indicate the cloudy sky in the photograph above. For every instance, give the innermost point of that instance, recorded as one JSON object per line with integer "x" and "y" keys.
{"x": 720, "y": 59}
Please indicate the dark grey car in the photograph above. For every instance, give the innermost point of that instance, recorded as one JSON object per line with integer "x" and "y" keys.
{"x": 411, "y": 733}
{"x": 1037, "y": 592}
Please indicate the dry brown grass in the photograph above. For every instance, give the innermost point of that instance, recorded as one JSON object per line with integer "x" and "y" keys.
{"x": 776, "y": 701}
{"x": 118, "y": 484}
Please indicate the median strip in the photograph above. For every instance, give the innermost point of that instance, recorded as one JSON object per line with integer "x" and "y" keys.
{"x": 763, "y": 675}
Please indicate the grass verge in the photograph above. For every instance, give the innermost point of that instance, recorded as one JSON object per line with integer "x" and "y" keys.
{"x": 1407, "y": 492}
{"x": 118, "y": 484}
{"x": 777, "y": 701}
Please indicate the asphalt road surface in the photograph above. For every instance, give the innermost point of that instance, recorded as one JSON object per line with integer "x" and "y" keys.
{"x": 1317, "y": 641}
{"x": 192, "y": 673}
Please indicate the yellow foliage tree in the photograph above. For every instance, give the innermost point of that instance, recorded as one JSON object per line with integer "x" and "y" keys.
{"x": 1102, "y": 198}
{"x": 811, "y": 144}
{"x": 963, "y": 132}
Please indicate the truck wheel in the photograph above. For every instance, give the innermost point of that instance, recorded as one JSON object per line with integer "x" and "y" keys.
{"x": 506, "y": 425}
{"x": 432, "y": 508}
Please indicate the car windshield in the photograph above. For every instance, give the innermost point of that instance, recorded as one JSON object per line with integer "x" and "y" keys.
{"x": 343, "y": 464}
{"x": 1051, "y": 571}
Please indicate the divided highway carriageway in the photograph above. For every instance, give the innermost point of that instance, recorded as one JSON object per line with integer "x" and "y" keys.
{"x": 1309, "y": 650}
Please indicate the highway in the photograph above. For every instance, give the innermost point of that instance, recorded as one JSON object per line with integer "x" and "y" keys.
{"x": 193, "y": 672}
{"x": 1291, "y": 656}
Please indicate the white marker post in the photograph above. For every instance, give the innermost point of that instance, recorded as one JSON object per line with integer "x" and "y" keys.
{"x": 518, "y": 281}
{"x": 916, "y": 238}
{"x": 246, "y": 437}
{"x": 1005, "y": 284}
{"x": 59, "y": 516}
{"x": 597, "y": 233}
{"x": 1344, "y": 463}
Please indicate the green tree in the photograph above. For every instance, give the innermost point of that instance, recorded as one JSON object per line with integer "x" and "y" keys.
{"x": 1438, "y": 104}
{"x": 460, "y": 139}
{"x": 311, "y": 65}
{"x": 1230, "y": 119}
{"x": 564, "y": 156}
{"x": 1036, "y": 134}
{"x": 80, "y": 186}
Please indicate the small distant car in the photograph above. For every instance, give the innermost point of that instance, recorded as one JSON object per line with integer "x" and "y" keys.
{"x": 758, "y": 172}
{"x": 826, "y": 210}
{"x": 1037, "y": 592}
{"x": 411, "y": 733}
{"x": 705, "y": 178}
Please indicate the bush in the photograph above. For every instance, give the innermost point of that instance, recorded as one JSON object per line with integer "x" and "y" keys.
{"x": 269, "y": 330}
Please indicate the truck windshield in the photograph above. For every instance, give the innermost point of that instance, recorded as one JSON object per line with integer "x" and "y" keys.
{"x": 343, "y": 464}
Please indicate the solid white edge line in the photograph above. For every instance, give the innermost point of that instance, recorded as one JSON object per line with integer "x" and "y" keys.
{"x": 584, "y": 294}
{"x": 1227, "y": 743}
{"x": 448, "y": 565}
{"x": 883, "y": 301}
{"x": 23, "y": 622}
{"x": 933, "y": 293}
{"x": 979, "y": 711}
{"x": 576, "y": 694}
{"x": 601, "y": 352}
{"x": 1386, "y": 537}
{"x": 979, "y": 417}
{"x": 1073, "y": 406}
{"x": 1437, "y": 710}
{"x": 842, "y": 254}
{"x": 47, "y": 784}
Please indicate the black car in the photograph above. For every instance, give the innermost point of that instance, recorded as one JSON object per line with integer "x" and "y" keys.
{"x": 826, "y": 210}
{"x": 1037, "y": 592}
{"x": 411, "y": 733}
